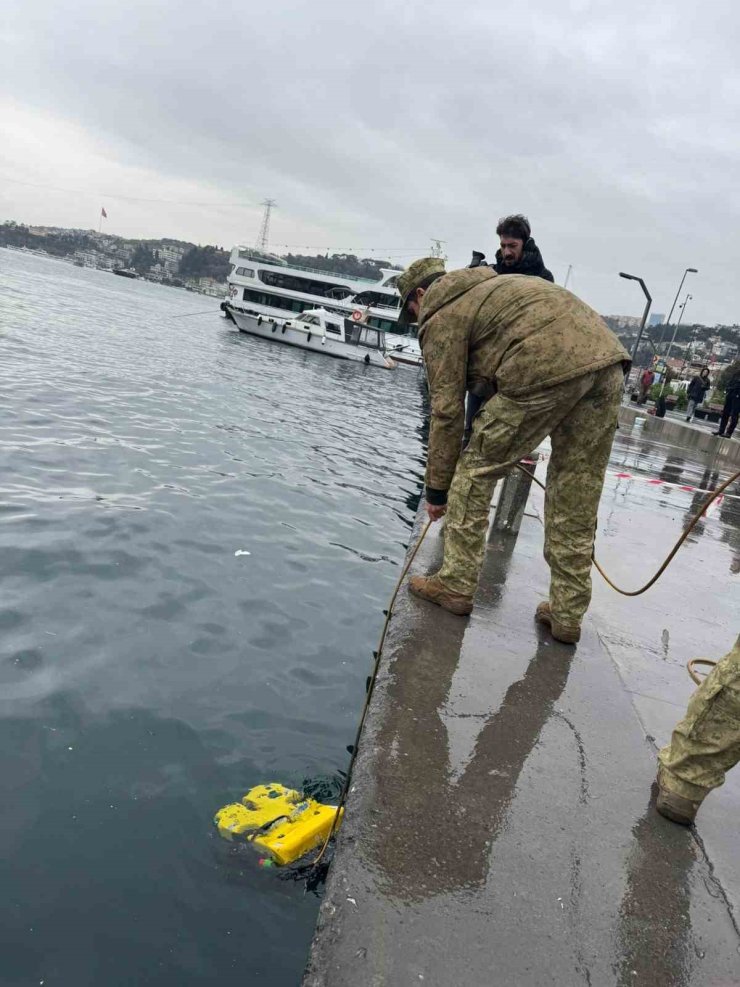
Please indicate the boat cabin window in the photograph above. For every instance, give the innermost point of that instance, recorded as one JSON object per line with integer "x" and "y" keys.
{"x": 333, "y": 327}
{"x": 245, "y": 272}
{"x": 370, "y": 337}
{"x": 386, "y": 325}
{"x": 276, "y": 301}
{"x": 312, "y": 320}
{"x": 360, "y": 335}
{"x": 307, "y": 286}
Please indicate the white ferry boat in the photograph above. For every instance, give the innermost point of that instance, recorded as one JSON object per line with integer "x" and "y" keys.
{"x": 321, "y": 331}
{"x": 264, "y": 284}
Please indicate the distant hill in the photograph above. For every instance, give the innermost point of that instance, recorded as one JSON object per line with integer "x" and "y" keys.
{"x": 171, "y": 257}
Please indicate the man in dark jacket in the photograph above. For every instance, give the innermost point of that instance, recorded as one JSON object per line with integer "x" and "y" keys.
{"x": 731, "y": 410}
{"x": 517, "y": 254}
{"x": 696, "y": 390}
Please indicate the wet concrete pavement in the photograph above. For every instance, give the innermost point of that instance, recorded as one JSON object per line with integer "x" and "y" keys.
{"x": 501, "y": 825}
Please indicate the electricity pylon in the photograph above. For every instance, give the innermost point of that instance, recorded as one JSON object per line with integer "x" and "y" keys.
{"x": 264, "y": 233}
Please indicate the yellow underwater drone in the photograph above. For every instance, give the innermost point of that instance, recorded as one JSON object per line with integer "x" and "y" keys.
{"x": 280, "y": 821}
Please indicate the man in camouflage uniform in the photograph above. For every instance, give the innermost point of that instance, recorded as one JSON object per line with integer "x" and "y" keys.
{"x": 704, "y": 745}
{"x": 553, "y": 368}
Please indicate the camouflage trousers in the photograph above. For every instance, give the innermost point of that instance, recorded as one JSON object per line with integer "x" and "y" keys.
{"x": 580, "y": 417}
{"x": 706, "y": 743}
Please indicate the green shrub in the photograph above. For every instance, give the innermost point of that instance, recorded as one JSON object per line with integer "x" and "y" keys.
{"x": 681, "y": 397}
{"x": 654, "y": 391}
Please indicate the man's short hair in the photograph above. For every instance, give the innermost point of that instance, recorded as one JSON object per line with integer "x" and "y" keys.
{"x": 514, "y": 226}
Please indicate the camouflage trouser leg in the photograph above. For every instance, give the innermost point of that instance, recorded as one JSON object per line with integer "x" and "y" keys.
{"x": 706, "y": 743}
{"x": 581, "y": 445}
{"x": 506, "y": 430}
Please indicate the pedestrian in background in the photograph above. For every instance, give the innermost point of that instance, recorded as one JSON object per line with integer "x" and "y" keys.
{"x": 731, "y": 410}
{"x": 646, "y": 382}
{"x": 698, "y": 387}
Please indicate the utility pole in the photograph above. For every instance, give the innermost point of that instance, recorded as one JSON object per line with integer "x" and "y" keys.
{"x": 438, "y": 249}
{"x": 264, "y": 233}
{"x": 567, "y": 276}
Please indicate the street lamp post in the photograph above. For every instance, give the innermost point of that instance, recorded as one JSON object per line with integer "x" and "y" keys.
{"x": 689, "y": 270}
{"x": 681, "y": 313}
{"x": 648, "y": 303}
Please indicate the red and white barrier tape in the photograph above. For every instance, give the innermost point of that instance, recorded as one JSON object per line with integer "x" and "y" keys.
{"x": 652, "y": 481}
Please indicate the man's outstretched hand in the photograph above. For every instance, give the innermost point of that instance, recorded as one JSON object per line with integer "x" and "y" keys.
{"x": 436, "y": 511}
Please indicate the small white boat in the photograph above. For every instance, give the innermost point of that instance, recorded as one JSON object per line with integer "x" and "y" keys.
{"x": 321, "y": 332}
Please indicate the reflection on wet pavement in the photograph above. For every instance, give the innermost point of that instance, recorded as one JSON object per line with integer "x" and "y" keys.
{"x": 449, "y": 824}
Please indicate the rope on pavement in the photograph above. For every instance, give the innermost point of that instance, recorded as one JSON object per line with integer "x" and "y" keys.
{"x": 669, "y": 558}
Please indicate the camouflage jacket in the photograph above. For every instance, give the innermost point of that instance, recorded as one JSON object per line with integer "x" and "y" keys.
{"x": 486, "y": 332}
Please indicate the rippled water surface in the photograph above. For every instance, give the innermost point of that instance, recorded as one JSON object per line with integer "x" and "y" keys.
{"x": 148, "y": 674}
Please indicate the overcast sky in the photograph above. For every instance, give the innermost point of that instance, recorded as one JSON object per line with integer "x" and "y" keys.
{"x": 613, "y": 126}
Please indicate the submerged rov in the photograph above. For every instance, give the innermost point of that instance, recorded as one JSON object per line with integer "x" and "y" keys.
{"x": 280, "y": 821}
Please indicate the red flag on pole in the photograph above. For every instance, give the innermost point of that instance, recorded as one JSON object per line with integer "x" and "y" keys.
{"x": 103, "y": 213}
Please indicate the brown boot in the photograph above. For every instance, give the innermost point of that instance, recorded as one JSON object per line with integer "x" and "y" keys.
{"x": 562, "y": 633}
{"x": 430, "y": 588}
{"x": 675, "y": 807}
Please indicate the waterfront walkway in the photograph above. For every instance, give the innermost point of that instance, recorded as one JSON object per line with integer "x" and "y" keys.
{"x": 501, "y": 826}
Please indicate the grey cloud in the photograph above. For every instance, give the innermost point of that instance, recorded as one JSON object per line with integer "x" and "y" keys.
{"x": 612, "y": 126}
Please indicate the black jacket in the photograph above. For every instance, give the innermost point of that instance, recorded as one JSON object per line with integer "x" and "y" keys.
{"x": 531, "y": 263}
{"x": 696, "y": 389}
{"x": 732, "y": 396}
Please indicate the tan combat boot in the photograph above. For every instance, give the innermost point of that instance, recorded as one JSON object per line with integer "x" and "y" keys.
{"x": 675, "y": 807}
{"x": 562, "y": 633}
{"x": 430, "y": 588}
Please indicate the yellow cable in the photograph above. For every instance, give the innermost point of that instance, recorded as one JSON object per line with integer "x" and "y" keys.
{"x": 669, "y": 558}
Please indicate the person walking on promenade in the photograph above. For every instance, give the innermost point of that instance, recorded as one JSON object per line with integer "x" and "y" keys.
{"x": 704, "y": 745}
{"x": 646, "y": 382}
{"x": 731, "y": 410}
{"x": 698, "y": 387}
{"x": 556, "y": 370}
{"x": 517, "y": 254}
